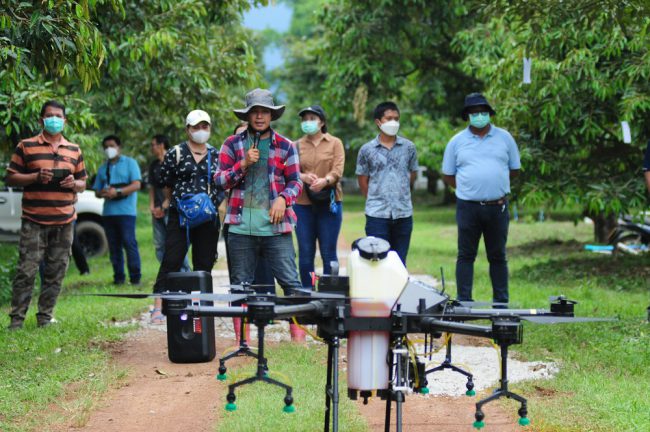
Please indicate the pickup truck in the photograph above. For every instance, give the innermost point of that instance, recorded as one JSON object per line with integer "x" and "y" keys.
{"x": 90, "y": 232}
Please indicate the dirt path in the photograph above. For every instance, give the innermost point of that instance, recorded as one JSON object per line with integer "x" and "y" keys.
{"x": 158, "y": 395}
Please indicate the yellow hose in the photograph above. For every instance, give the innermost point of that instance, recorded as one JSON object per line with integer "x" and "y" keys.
{"x": 306, "y": 330}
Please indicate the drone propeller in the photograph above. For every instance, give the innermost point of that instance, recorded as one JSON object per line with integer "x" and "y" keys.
{"x": 549, "y": 319}
{"x": 474, "y": 303}
{"x": 317, "y": 294}
{"x": 175, "y": 296}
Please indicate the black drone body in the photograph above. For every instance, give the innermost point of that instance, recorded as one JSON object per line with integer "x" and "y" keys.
{"x": 419, "y": 309}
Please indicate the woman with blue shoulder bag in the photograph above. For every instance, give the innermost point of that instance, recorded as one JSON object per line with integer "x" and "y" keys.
{"x": 319, "y": 208}
{"x": 192, "y": 199}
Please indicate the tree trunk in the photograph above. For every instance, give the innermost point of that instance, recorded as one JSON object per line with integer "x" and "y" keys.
{"x": 604, "y": 224}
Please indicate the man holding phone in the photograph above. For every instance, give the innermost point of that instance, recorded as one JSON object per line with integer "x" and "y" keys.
{"x": 51, "y": 172}
{"x": 118, "y": 179}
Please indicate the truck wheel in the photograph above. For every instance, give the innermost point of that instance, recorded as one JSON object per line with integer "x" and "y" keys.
{"x": 92, "y": 238}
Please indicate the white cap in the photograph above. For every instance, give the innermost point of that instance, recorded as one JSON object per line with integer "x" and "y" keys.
{"x": 197, "y": 116}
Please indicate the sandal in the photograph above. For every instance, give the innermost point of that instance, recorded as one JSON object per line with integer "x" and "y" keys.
{"x": 157, "y": 316}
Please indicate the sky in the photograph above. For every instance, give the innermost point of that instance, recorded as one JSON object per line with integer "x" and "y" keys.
{"x": 276, "y": 17}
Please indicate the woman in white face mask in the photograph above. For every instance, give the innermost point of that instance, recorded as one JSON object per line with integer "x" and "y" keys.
{"x": 187, "y": 170}
{"x": 319, "y": 207}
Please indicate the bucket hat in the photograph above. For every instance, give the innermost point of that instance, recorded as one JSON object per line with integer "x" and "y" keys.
{"x": 262, "y": 98}
{"x": 475, "y": 99}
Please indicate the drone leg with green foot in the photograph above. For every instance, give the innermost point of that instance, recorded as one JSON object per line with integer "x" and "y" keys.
{"x": 231, "y": 398}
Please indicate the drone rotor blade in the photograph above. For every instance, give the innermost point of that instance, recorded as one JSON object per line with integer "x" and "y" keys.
{"x": 473, "y": 303}
{"x": 121, "y": 295}
{"x": 174, "y": 296}
{"x": 317, "y": 294}
{"x": 548, "y": 319}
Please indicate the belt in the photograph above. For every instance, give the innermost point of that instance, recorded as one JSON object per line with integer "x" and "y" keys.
{"x": 500, "y": 201}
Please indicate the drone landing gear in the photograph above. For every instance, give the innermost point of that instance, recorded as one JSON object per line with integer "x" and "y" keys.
{"x": 332, "y": 385}
{"x": 446, "y": 364}
{"x": 261, "y": 374}
{"x": 398, "y": 385}
{"x": 502, "y": 391}
{"x": 243, "y": 351}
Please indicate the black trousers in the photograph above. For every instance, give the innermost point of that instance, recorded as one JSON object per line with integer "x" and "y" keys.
{"x": 203, "y": 238}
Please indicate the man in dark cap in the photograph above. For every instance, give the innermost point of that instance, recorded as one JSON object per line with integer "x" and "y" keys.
{"x": 260, "y": 168}
{"x": 479, "y": 162}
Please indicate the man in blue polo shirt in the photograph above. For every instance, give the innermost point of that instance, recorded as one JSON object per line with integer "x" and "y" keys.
{"x": 117, "y": 181}
{"x": 479, "y": 162}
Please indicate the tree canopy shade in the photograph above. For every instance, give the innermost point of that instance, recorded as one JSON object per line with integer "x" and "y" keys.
{"x": 123, "y": 66}
{"x": 590, "y": 71}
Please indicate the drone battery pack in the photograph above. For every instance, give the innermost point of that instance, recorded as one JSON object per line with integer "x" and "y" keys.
{"x": 189, "y": 339}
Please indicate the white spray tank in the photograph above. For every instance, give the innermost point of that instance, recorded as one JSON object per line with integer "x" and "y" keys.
{"x": 377, "y": 277}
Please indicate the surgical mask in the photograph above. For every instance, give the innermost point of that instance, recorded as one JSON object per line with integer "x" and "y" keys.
{"x": 200, "y": 136}
{"x": 53, "y": 125}
{"x": 111, "y": 152}
{"x": 390, "y": 128}
{"x": 479, "y": 120}
{"x": 310, "y": 127}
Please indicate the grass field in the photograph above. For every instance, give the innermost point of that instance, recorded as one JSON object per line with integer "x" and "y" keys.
{"x": 603, "y": 385}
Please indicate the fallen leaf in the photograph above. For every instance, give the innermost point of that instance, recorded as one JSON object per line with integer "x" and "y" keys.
{"x": 161, "y": 372}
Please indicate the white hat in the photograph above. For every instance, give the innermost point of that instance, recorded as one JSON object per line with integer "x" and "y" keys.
{"x": 197, "y": 116}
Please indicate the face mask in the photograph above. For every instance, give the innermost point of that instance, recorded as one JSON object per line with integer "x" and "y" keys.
{"x": 310, "y": 127}
{"x": 111, "y": 152}
{"x": 479, "y": 120}
{"x": 200, "y": 136}
{"x": 390, "y": 128}
{"x": 53, "y": 125}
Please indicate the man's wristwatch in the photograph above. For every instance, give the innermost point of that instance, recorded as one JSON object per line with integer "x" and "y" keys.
{"x": 118, "y": 191}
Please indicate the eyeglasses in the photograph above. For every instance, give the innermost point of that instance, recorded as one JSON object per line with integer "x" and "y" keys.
{"x": 482, "y": 113}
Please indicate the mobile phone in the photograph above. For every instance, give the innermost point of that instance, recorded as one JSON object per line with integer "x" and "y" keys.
{"x": 58, "y": 174}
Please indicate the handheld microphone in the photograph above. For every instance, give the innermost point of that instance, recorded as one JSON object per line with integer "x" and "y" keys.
{"x": 256, "y": 140}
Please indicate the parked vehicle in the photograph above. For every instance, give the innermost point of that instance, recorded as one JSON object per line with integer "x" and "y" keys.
{"x": 632, "y": 234}
{"x": 90, "y": 232}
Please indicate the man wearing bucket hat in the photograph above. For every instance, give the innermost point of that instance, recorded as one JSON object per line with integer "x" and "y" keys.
{"x": 260, "y": 169}
{"x": 479, "y": 162}
{"x": 187, "y": 170}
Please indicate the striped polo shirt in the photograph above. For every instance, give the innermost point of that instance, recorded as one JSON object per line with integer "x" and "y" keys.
{"x": 48, "y": 204}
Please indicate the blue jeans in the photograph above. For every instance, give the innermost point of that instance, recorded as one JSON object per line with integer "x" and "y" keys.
{"x": 316, "y": 222}
{"x": 397, "y": 232}
{"x": 277, "y": 251}
{"x": 120, "y": 233}
{"x": 159, "y": 236}
{"x": 492, "y": 222}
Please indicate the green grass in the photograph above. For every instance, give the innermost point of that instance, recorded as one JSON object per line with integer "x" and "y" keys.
{"x": 66, "y": 363}
{"x": 259, "y": 406}
{"x": 603, "y": 383}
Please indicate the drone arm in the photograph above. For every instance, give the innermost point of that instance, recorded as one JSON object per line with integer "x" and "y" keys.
{"x": 299, "y": 310}
{"x": 435, "y": 325}
{"x": 215, "y": 311}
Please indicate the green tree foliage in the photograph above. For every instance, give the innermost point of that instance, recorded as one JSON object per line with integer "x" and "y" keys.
{"x": 123, "y": 66}
{"x": 590, "y": 71}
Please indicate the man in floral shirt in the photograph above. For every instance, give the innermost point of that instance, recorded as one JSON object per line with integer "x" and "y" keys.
{"x": 260, "y": 168}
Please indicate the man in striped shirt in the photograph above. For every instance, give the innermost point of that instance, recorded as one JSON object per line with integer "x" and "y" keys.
{"x": 51, "y": 172}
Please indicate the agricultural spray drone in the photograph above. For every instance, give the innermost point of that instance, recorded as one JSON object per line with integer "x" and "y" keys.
{"x": 376, "y": 307}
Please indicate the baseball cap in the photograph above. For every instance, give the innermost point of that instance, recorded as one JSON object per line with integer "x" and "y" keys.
{"x": 197, "y": 116}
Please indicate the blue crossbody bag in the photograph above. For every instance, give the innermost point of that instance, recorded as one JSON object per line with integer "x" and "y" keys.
{"x": 196, "y": 209}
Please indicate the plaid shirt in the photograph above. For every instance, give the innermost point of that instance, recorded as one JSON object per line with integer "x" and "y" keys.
{"x": 283, "y": 170}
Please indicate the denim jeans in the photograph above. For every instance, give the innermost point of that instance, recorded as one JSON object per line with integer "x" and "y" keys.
{"x": 263, "y": 274}
{"x": 277, "y": 251}
{"x": 120, "y": 233}
{"x": 397, "y": 232}
{"x": 492, "y": 222}
{"x": 316, "y": 222}
{"x": 159, "y": 236}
